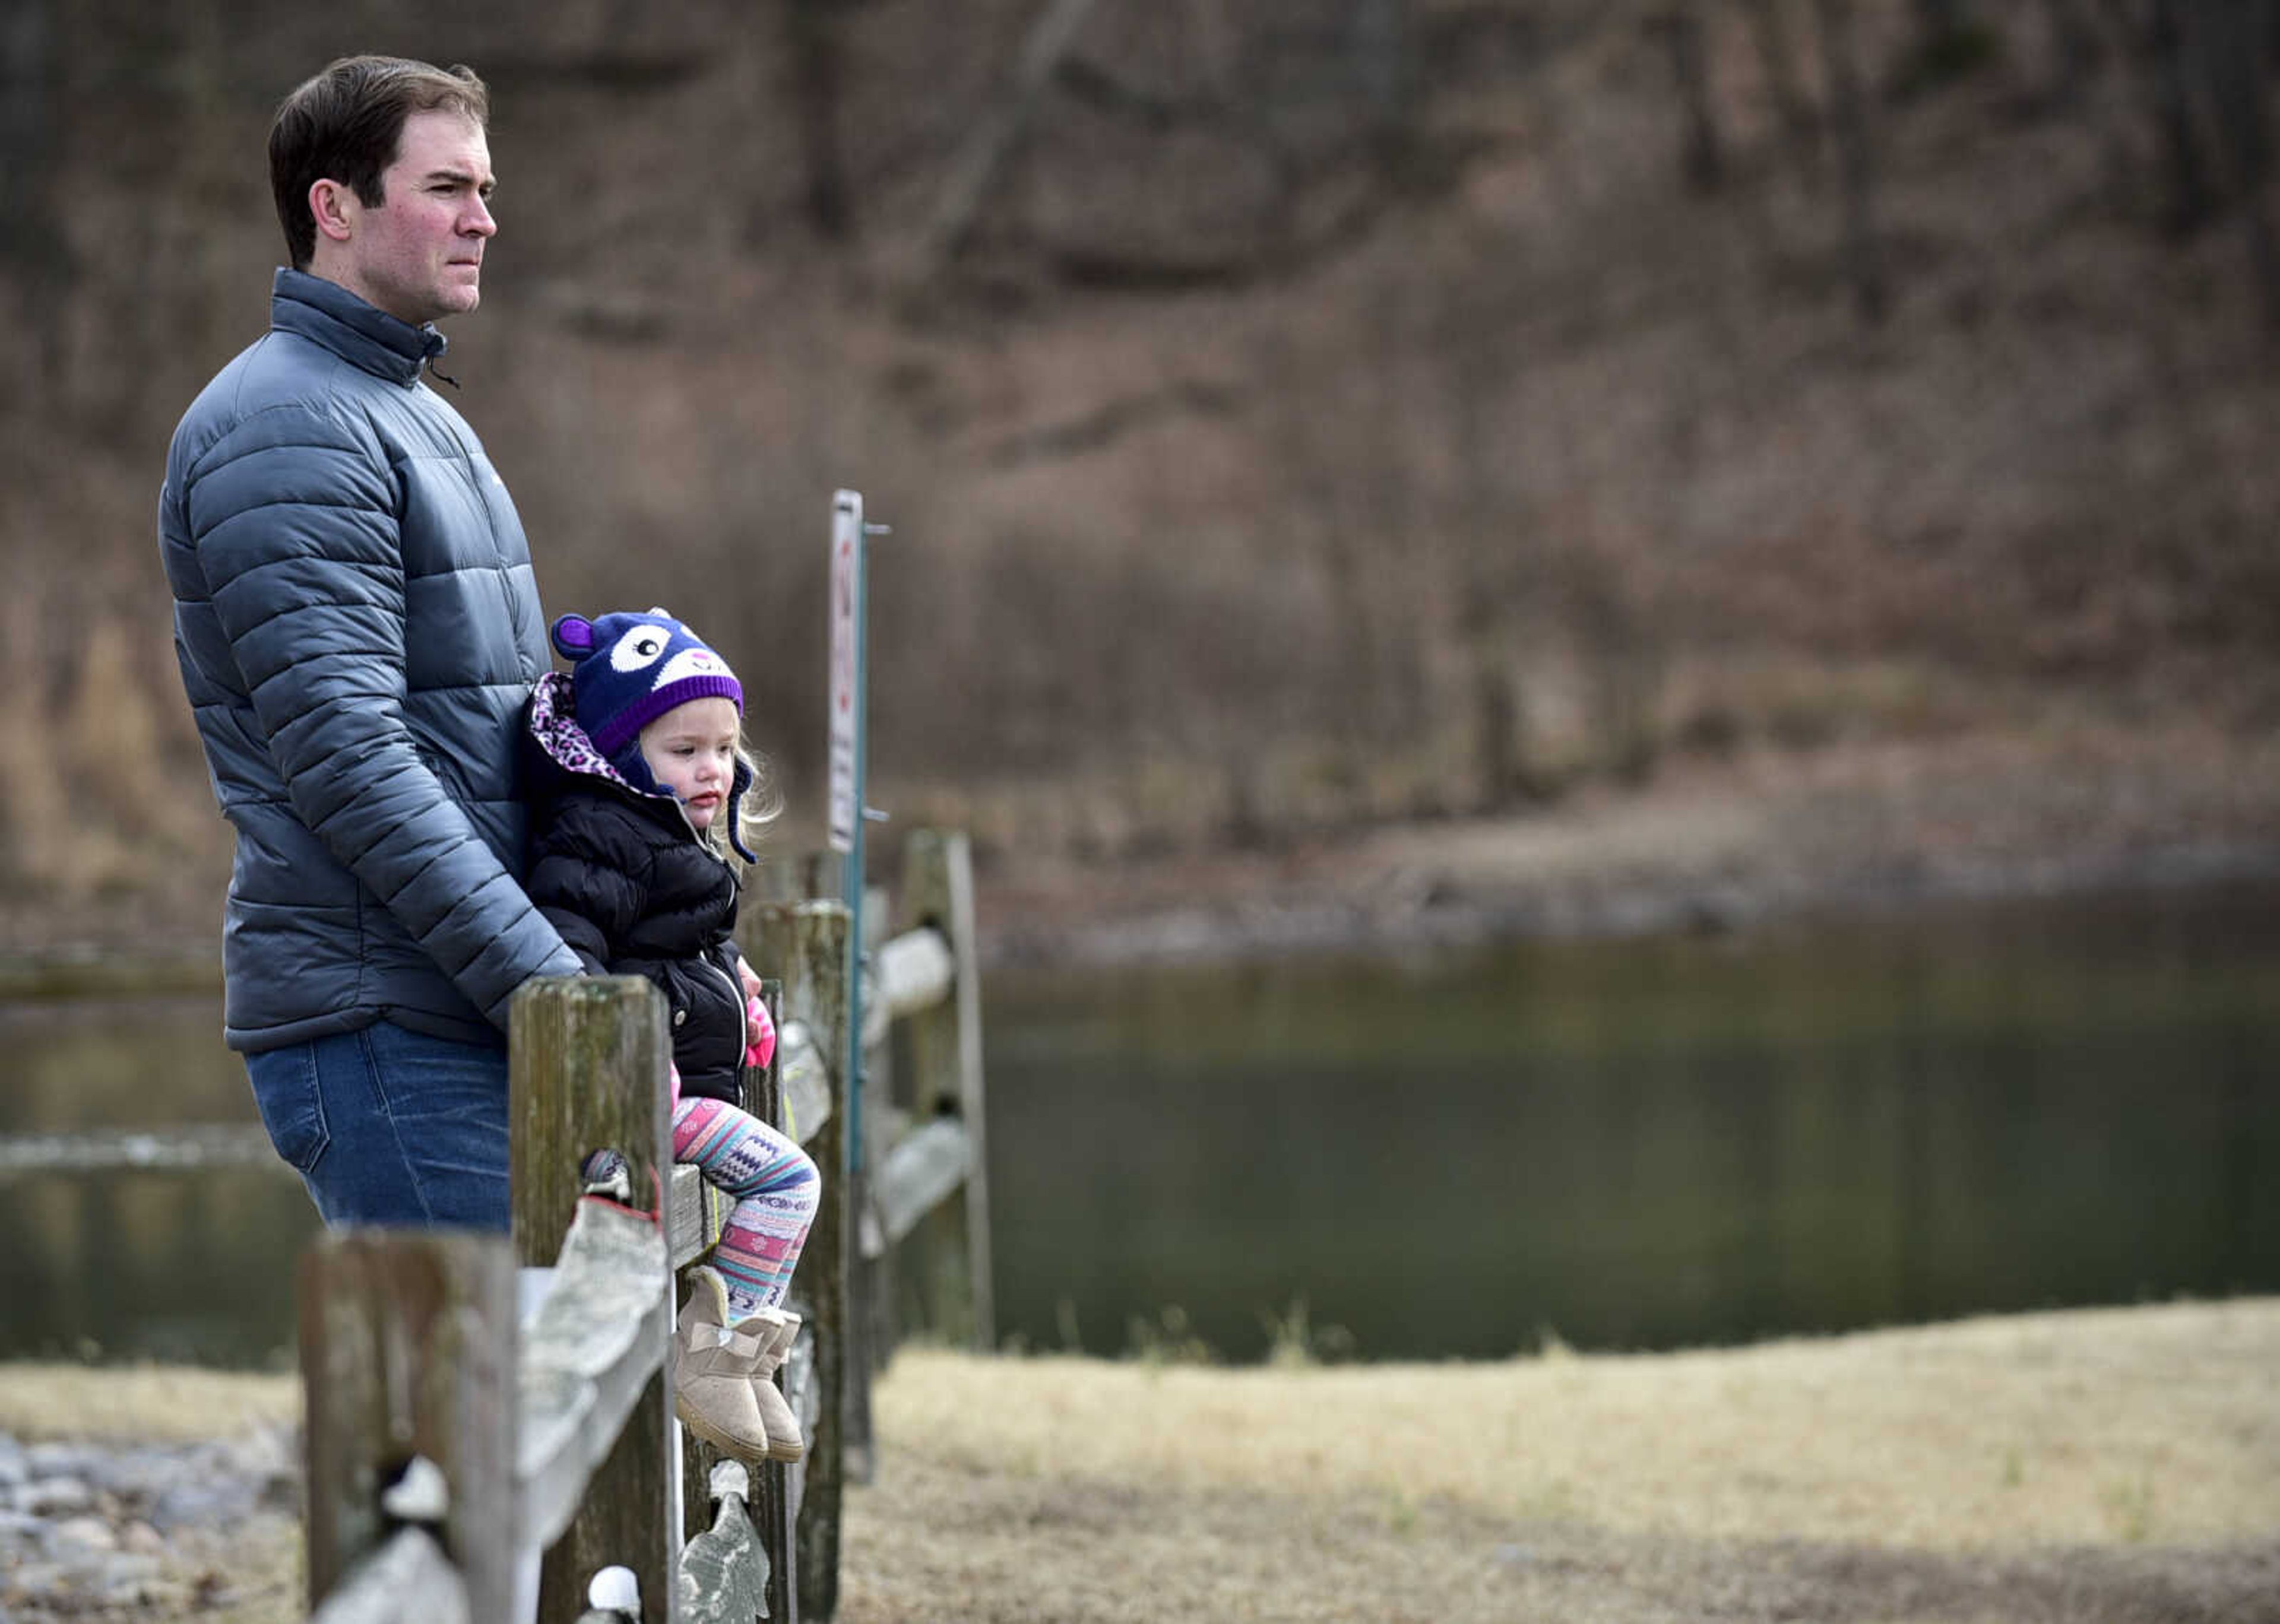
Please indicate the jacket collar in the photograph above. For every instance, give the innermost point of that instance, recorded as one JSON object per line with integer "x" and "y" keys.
{"x": 329, "y": 314}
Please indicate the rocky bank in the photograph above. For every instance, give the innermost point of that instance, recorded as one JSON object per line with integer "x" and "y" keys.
{"x": 91, "y": 1530}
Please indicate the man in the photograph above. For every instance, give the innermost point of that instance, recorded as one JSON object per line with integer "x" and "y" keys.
{"x": 358, "y": 627}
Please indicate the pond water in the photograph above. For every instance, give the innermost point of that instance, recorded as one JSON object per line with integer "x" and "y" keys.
{"x": 179, "y": 1264}
{"x": 1620, "y": 1144}
{"x": 1646, "y": 1143}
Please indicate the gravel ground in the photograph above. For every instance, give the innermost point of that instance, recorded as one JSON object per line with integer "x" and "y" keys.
{"x": 95, "y": 1530}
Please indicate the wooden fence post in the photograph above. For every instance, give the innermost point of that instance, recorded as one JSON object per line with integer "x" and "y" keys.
{"x": 807, "y": 943}
{"x": 773, "y": 1511}
{"x": 950, "y": 1248}
{"x": 789, "y": 880}
{"x": 869, "y": 1336}
{"x": 587, "y": 1070}
{"x": 408, "y": 1349}
{"x": 770, "y": 1503}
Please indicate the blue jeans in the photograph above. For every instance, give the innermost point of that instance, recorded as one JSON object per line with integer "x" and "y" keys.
{"x": 390, "y": 1127}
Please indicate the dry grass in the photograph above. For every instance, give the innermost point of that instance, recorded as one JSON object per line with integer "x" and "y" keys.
{"x": 2129, "y": 1424}
{"x": 147, "y": 1404}
{"x": 2120, "y": 1464}
{"x": 2114, "y": 1466}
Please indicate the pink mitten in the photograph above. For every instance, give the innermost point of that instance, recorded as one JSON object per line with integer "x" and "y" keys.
{"x": 760, "y": 1034}
{"x": 672, "y": 1077}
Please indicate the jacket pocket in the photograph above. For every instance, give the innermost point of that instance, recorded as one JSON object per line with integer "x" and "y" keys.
{"x": 673, "y": 980}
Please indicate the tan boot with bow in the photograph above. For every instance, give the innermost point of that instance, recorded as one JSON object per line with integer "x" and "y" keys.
{"x": 713, "y": 1370}
{"x": 776, "y": 1331}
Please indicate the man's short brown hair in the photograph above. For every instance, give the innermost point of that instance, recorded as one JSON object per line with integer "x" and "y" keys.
{"x": 344, "y": 125}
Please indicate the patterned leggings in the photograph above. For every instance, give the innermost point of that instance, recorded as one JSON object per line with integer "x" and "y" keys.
{"x": 777, "y": 1189}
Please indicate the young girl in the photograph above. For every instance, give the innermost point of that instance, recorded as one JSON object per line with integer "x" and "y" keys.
{"x": 636, "y": 781}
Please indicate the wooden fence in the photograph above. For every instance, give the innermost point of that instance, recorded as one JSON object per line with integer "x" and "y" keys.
{"x": 487, "y": 1442}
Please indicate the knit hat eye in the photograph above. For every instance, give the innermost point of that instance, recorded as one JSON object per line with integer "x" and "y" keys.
{"x": 640, "y": 647}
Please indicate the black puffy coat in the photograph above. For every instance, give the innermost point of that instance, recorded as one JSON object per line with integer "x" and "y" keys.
{"x": 634, "y": 890}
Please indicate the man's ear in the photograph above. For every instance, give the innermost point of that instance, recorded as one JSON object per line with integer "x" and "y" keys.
{"x": 332, "y": 205}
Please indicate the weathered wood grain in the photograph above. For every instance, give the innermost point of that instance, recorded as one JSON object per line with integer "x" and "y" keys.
{"x": 948, "y": 1260}
{"x": 589, "y": 1350}
{"x": 694, "y": 1212}
{"x": 766, "y": 1507}
{"x": 407, "y": 1580}
{"x": 806, "y": 1073}
{"x": 816, "y": 991}
{"x": 916, "y": 971}
{"x": 927, "y": 1166}
{"x": 407, "y": 1350}
{"x": 395, "y": 1339}
{"x": 724, "y": 1570}
{"x": 774, "y": 1504}
{"x": 587, "y": 1070}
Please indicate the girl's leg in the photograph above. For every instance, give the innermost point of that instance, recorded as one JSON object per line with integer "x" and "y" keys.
{"x": 777, "y": 1189}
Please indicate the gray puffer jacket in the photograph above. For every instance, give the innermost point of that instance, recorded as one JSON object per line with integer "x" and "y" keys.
{"x": 358, "y": 626}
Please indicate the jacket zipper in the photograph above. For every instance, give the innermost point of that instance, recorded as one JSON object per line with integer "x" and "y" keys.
{"x": 735, "y": 1000}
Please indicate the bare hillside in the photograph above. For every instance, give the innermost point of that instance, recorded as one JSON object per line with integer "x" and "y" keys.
{"x": 1294, "y": 418}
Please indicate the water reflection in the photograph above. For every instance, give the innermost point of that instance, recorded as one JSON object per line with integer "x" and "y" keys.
{"x": 1645, "y": 1144}
{"x": 190, "y": 1267}
{"x": 194, "y": 1265}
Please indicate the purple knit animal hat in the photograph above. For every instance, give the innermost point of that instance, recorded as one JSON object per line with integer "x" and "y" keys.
{"x": 627, "y": 670}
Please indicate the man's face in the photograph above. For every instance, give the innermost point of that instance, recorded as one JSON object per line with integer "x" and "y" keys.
{"x": 419, "y": 254}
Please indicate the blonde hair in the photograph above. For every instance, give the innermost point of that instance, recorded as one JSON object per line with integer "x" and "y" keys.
{"x": 762, "y": 802}
{"x": 761, "y": 805}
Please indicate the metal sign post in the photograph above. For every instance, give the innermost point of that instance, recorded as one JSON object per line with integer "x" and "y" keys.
{"x": 850, "y": 745}
{"x": 846, "y": 671}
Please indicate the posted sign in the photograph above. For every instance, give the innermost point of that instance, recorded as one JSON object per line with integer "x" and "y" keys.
{"x": 846, "y": 675}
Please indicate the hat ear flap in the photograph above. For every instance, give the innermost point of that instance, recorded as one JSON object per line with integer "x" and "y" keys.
{"x": 573, "y": 636}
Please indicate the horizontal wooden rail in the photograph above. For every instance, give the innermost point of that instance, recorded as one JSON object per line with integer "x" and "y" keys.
{"x": 913, "y": 971}
{"x": 916, "y": 970}
{"x": 407, "y": 1580}
{"x": 589, "y": 1350}
{"x": 923, "y": 1168}
{"x": 104, "y": 1150}
{"x": 807, "y": 1081}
